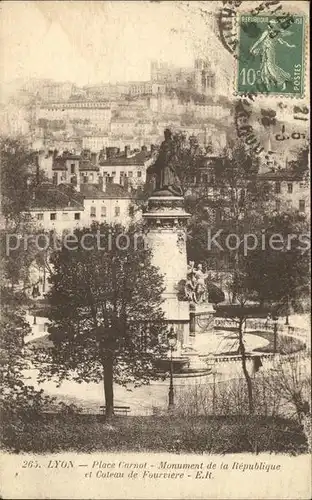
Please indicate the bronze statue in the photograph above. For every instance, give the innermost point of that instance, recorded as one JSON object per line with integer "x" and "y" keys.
{"x": 163, "y": 169}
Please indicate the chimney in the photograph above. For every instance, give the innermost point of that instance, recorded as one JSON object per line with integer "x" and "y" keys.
{"x": 102, "y": 155}
{"x": 112, "y": 152}
{"x": 78, "y": 182}
{"x": 128, "y": 184}
{"x": 86, "y": 154}
{"x": 127, "y": 151}
{"x": 102, "y": 183}
{"x": 94, "y": 158}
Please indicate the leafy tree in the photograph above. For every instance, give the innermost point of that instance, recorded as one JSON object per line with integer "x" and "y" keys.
{"x": 268, "y": 117}
{"x": 107, "y": 322}
{"x": 19, "y": 401}
{"x": 238, "y": 205}
{"x": 301, "y": 164}
{"x": 20, "y": 175}
{"x": 280, "y": 272}
{"x": 215, "y": 294}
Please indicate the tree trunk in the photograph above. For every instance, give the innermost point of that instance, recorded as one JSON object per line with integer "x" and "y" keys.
{"x": 287, "y": 311}
{"x": 44, "y": 279}
{"x": 245, "y": 371}
{"x": 108, "y": 387}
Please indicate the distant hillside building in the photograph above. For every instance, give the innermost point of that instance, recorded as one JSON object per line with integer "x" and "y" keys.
{"x": 55, "y": 91}
{"x": 201, "y": 78}
{"x": 95, "y": 142}
{"x": 97, "y": 113}
{"x": 204, "y": 78}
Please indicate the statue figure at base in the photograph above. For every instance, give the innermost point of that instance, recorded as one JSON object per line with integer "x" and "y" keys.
{"x": 195, "y": 285}
{"x": 164, "y": 170}
{"x": 201, "y": 287}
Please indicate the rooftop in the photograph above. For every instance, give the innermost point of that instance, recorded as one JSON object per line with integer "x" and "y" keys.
{"x": 282, "y": 175}
{"x": 113, "y": 191}
{"x": 49, "y": 196}
{"x": 84, "y": 164}
{"x": 121, "y": 159}
{"x": 122, "y": 120}
{"x": 78, "y": 103}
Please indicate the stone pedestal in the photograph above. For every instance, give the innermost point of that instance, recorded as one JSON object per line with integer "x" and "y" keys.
{"x": 166, "y": 222}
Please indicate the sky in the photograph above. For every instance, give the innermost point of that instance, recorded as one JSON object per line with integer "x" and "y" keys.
{"x": 93, "y": 41}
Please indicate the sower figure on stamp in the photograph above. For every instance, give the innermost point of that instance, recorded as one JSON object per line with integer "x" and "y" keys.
{"x": 270, "y": 72}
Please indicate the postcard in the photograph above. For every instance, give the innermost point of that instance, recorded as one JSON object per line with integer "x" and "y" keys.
{"x": 155, "y": 250}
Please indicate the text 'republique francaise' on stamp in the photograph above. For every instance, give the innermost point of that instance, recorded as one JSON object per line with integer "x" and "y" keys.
{"x": 271, "y": 54}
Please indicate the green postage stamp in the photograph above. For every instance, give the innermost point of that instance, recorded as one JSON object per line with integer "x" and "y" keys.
{"x": 271, "y": 54}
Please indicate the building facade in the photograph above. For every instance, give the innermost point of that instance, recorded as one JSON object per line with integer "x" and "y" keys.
{"x": 62, "y": 208}
{"x": 98, "y": 113}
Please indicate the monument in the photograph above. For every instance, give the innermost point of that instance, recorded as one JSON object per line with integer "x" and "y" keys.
{"x": 166, "y": 221}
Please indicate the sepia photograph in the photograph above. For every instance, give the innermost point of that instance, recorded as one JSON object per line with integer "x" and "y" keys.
{"x": 155, "y": 250}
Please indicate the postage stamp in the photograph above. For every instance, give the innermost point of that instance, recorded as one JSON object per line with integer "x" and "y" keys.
{"x": 271, "y": 54}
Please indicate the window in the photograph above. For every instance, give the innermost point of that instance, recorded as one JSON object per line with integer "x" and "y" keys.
{"x": 277, "y": 205}
{"x": 91, "y": 177}
{"x": 139, "y": 173}
{"x": 277, "y": 187}
{"x": 130, "y": 174}
{"x": 301, "y": 205}
{"x": 204, "y": 178}
{"x": 53, "y": 216}
{"x": 77, "y": 216}
{"x": 103, "y": 211}
{"x": 290, "y": 187}
{"x": 117, "y": 211}
{"x": 92, "y": 211}
{"x": 65, "y": 216}
{"x": 72, "y": 168}
{"x": 131, "y": 211}
{"x": 39, "y": 216}
{"x": 302, "y": 185}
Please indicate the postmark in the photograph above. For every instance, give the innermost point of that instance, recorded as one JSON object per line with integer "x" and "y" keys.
{"x": 271, "y": 54}
{"x": 227, "y": 20}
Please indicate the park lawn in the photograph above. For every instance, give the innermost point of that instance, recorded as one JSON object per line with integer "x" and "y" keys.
{"x": 164, "y": 433}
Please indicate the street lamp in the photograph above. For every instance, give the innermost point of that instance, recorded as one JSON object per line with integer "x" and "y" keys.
{"x": 275, "y": 320}
{"x": 172, "y": 341}
{"x": 35, "y": 295}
